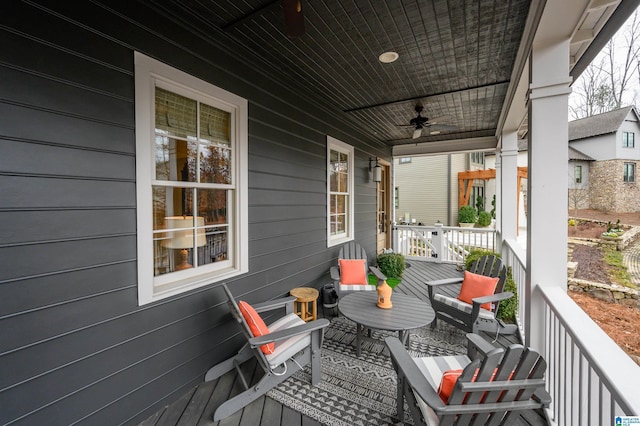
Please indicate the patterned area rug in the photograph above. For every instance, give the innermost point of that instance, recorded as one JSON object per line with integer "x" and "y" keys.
{"x": 360, "y": 391}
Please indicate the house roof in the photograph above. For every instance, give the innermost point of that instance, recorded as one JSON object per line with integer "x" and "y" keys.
{"x": 574, "y": 154}
{"x": 601, "y": 124}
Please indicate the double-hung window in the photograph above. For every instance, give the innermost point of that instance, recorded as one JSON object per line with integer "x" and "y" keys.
{"x": 628, "y": 140}
{"x": 339, "y": 192}
{"x": 191, "y": 181}
{"x": 578, "y": 173}
{"x": 629, "y": 174}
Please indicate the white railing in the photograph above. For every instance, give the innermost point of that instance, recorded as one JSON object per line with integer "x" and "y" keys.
{"x": 514, "y": 256}
{"x": 590, "y": 379}
{"x": 441, "y": 243}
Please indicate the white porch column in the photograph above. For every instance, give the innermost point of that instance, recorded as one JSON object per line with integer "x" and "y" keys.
{"x": 547, "y": 182}
{"x": 509, "y": 186}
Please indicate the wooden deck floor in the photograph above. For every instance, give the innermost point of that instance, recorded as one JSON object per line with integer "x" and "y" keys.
{"x": 197, "y": 406}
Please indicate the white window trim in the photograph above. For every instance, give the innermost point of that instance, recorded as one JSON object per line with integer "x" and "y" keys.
{"x": 337, "y": 145}
{"x": 147, "y": 72}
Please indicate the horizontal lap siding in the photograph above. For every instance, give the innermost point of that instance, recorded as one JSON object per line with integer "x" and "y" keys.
{"x": 74, "y": 344}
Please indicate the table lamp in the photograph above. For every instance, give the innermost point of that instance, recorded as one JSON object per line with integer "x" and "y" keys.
{"x": 183, "y": 239}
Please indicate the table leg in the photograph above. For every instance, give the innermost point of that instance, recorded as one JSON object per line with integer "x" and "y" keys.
{"x": 404, "y": 337}
{"x": 358, "y": 339}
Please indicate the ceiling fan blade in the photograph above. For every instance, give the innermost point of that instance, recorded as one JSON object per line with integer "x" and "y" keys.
{"x": 293, "y": 18}
{"x": 417, "y": 133}
{"x": 440, "y": 119}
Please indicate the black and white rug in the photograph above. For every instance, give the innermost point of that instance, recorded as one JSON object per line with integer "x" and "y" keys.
{"x": 360, "y": 391}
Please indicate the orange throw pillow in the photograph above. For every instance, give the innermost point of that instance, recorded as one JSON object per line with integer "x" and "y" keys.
{"x": 447, "y": 383}
{"x": 352, "y": 271}
{"x": 475, "y": 285}
{"x": 256, "y": 325}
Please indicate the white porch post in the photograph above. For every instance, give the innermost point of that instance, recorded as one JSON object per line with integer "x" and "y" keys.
{"x": 508, "y": 181}
{"x": 547, "y": 183}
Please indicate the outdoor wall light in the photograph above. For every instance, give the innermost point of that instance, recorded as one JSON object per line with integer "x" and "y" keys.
{"x": 376, "y": 171}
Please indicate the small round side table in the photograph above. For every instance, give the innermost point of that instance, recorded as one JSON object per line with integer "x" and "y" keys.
{"x": 305, "y": 296}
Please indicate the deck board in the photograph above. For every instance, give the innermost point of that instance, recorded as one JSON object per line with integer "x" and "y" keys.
{"x": 198, "y": 405}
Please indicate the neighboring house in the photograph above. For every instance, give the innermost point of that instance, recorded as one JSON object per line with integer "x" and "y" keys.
{"x": 603, "y": 158}
{"x": 426, "y": 187}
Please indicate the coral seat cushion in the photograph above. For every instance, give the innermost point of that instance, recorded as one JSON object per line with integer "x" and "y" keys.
{"x": 256, "y": 325}
{"x": 352, "y": 271}
{"x": 475, "y": 285}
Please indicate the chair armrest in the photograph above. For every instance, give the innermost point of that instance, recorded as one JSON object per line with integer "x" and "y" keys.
{"x": 335, "y": 273}
{"x": 475, "y": 344}
{"x": 446, "y": 281}
{"x": 542, "y": 396}
{"x": 492, "y": 298}
{"x": 289, "y": 332}
{"x": 270, "y": 305}
{"x": 378, "y": 273}
{"x": 412, "y": 374}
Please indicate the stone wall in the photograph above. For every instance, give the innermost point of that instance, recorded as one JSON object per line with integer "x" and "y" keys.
{"x": 608, "y": 292}
{"x": 608, "y": 191}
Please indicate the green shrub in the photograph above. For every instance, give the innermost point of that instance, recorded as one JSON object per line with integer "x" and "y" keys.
{"x": 479, "y": 204}
{"x": 467, "y": 214}
{"x": 507, "y": 309}
{"x": 391, "y": 264}
{"x": 484, "y": 219}
{"x": 476, "y": 254}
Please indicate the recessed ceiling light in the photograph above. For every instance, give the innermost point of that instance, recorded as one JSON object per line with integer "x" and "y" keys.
{"x": 388, "y": 57}
{"x": 435, "y": 132}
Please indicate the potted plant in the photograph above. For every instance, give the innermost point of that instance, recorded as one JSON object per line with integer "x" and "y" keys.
{"x": 467, "y": 216}
{"x": 392, "y": 265}
{"x": 484, "y": 219}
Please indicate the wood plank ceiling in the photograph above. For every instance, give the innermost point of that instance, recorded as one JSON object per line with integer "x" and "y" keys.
{"x": 455, "y": 57}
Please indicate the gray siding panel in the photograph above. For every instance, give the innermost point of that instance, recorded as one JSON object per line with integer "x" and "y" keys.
{"x": 74, "y": 344}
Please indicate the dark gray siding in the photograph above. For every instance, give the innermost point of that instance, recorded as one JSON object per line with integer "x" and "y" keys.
{"x": 74, "y": 344}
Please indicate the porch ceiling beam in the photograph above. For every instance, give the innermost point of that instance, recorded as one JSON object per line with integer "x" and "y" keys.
{"x": 430, "y": 95}
{"x": 486, "y": 143}
{"x": 254, "y": 13}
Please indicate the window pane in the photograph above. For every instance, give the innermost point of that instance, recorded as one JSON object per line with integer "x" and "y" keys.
{"x": 215, "y": 249}
{"x": 215, "y": 125}
{"x": 341, "y": 226}
{"x": 170, "y": 202}
{"x": 176, "y": 115}
{"x": 175, "y": 159}
{"x": 174, "y": 247}
{"x": 215, "y": 164}
{"x": 212, "y": 206}
{"x": 333, "y": 171}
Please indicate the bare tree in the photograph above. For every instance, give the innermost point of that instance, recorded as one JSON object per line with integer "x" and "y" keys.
{"x": 621, "y": 70}
{"x": 607, "y": 83}
{"x": 592, "y": 92}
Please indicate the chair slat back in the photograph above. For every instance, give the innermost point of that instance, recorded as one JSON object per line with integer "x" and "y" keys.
{"x": 352, "y": 250}
{"x": 516, "y": 363}
{"x": 246, "y": 331}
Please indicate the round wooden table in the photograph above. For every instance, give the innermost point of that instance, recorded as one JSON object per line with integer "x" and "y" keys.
{"x": 305, "y": 296}
{"x": 407, "y": 313}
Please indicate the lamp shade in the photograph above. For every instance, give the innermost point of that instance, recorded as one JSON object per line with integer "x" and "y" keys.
{"x": 377, "y": 173}
{"x": 183, "y": 239}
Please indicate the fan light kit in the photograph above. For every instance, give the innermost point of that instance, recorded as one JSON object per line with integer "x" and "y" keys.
{"x": 388, "y": 57}
{"x": 419, "y": 122}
